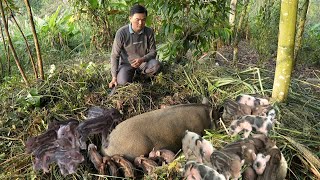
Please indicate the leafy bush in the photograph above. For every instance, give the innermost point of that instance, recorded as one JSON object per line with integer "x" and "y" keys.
{"x": 264, "y": 27}
{"x": 104, "y": 18}
{"x": 188, "y": 26}
{"x": 310, "y": 51}
{"x": 179, "y": 25}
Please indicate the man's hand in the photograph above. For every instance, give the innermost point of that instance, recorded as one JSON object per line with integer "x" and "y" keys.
{"x": 137, "y": 62}
{"x": 113, "y": 83}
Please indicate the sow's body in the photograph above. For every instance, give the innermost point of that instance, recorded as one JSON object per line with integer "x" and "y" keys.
{"x": 159, "y": 129}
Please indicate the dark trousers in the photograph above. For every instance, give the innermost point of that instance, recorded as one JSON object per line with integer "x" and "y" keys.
{"x": 126, "y": 71}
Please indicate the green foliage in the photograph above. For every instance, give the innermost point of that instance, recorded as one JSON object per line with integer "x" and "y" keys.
{"x": 188, "y": 26}
{"x": 32, "y": 99}
{"x": 310, "y": 51}
{"x": 104, "y": 17}
{"x": 58, "y": 30}
{"x": 180, "y": 25}
{"x": 264, "y": 25}
{"x": 58, "y": 35}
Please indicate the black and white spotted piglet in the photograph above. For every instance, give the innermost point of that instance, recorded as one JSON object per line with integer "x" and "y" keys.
{"x": 193, "y": 143}
{"x": 260, "y": 162}
{"x": 198, "y": 171}
{"x": 251, "y": 100}
{"x": 259, "y": 106}
{"x": 250, "y": 122}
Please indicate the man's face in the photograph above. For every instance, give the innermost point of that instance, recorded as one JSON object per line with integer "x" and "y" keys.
{"x": 138, "y": 21}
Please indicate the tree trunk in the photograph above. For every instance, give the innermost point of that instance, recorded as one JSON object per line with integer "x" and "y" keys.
{"x": 35, "y": 39}
{"x": 285, "y": 53}
{"x": 236, "y": 37}
{"x": 232, "y": 16}
{"x": 1, "y": 68}
{"x": 300, "y": 30}
{"x": 9, "y": 60}
{"x": 27, "y": 44}
{"x": 11, "y": 45}
{"x": 6, "y": 52}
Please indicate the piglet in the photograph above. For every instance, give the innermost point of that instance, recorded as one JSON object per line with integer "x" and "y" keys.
{"x": 251, "y": 100}
{"x": 125, "y": 165}
{"x": 68, "y": 161}
{"x": 193, "y": 143}
{"x": 69, "y": 131}
{"x": 242, "y": 148}
{"x": 34, "y": 142}
{"x": 96, "y": 158}
{"x": 147, "y": 165}
{"x": 247, "y": 123}
{"x": 249, "y": 174}
{"x": 101, "y": 124}
{"x": 111, "y": 167}
{"x": 260, "y": 162}
{"x": 276, "y": 167}
{"x": 44, "y": 156}
{"x": 162, "y": 155}
{"x": 97, "y": 111}
{"x": 233, "y": 110}
{"x": 226, "y": 163}
{"x": 198, "y": 171}
{"x": 45, "y": 153}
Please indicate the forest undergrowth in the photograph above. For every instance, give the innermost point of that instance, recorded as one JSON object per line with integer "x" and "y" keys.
{"x": 73, "y": 88}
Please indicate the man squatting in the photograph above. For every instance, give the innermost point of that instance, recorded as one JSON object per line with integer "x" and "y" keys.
{"x": 134, "y": 49}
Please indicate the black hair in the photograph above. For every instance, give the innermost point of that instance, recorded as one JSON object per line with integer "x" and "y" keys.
{"x": 138, "y": 9}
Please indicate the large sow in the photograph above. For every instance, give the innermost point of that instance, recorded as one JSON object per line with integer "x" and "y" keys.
{"x": 159, "y": 129}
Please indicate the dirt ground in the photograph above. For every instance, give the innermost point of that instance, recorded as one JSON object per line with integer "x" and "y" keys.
{"x": 249, "y": 57}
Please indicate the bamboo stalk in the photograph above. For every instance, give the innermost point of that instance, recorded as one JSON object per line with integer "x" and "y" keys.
{"x": 232, "y": 16}
{"x": 27, "y": 45}
{"x": 285, "y": 53}
{"x": 11, "y": 46}
{"x": 239, "y": 27}
{"x": 300, "y": 30}
{"x": 5, "y": 49}
{"x": 35, "y": 38}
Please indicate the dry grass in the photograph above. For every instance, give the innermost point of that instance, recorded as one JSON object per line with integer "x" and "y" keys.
{"x": 73, "y": 89}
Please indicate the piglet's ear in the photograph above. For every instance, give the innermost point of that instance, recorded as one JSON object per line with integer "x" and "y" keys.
{"x": 56, "y": 144}
{"x": 198, "y": 143}
{"x": 68, "y": 127}
{"x": 268, "y": 158}
{"x": 158, "y": 153}
{"x": 254, "y": 156}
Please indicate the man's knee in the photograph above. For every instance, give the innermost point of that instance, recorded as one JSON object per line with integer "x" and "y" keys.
{"x": 123, "y": 81}
{"x": 153, "y": 67}
{"x": 125, "y": 75}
